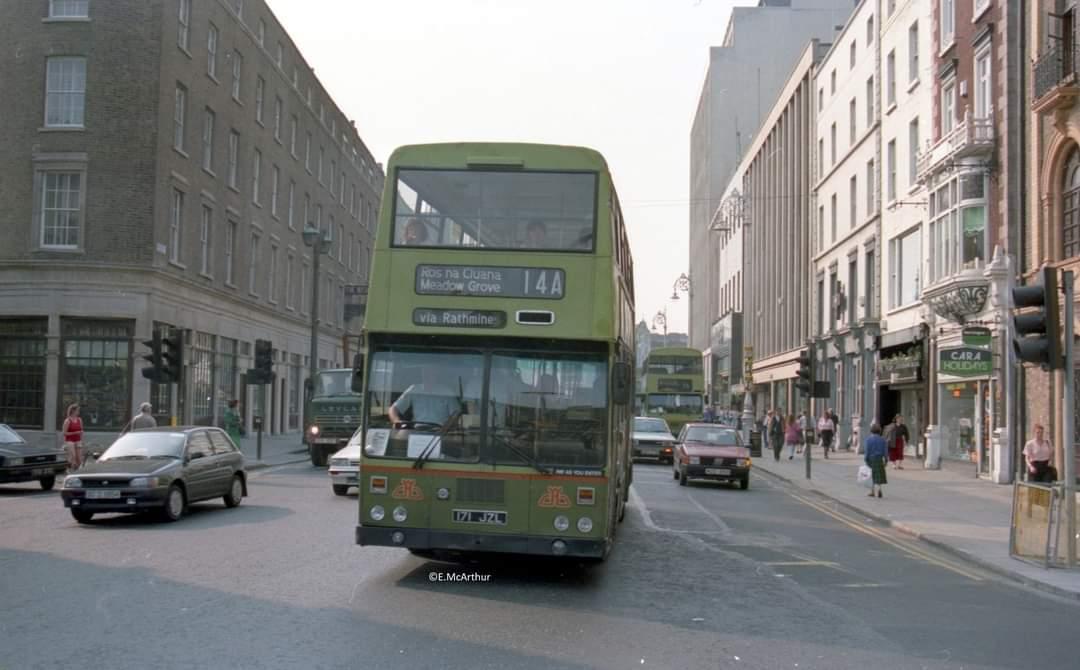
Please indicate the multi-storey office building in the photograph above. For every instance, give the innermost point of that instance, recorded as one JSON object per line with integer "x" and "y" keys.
{"x": 905, "y": 98}
{"x": 777, "y": 186}
{"x": 742, "y": 81}
{"x": 158, "y": 167}
{"x": 965, "y": 172}
{"x": 845, "y": 238}
{"x": 726, "y": 357}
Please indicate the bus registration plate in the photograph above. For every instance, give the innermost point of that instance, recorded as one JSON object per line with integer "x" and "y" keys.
{"x": 479, "y": 516}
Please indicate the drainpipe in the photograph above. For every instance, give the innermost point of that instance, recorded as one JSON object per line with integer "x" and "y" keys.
{"x": 1018, "y": 108}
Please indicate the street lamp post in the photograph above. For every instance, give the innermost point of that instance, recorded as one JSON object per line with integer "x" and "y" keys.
{"x": 320, "y": 244}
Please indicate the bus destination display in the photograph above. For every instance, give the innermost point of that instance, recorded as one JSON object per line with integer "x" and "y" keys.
{"x": 458, "y": 318}
{"x": 499, "y": 282}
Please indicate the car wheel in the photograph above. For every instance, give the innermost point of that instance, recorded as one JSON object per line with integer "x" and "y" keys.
{"x": 341, "y": 489}
{"x": 682, "y": 478}
{"x": 47, "y": 483}
{"x": 236, "y": 492}
{"x": 82, "y": 516}
{"x": 744, "y": 483}
{"x": 174, "y": 504}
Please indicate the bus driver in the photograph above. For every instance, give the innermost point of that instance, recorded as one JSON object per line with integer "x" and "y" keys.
{"x": 430, "y": 402}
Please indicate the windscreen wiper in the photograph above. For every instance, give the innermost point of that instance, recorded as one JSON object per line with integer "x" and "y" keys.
{"x": 521, "y": 454}
{"x": 435, "y": 439}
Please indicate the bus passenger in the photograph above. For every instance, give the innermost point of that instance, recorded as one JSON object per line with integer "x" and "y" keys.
{"x": 416, "y": 233}
{"x": 536, "y": 235}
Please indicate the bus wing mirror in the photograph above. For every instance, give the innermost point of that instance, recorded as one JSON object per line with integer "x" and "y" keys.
{"x": 358, "y": 373}
{"x": 621, "y": 383}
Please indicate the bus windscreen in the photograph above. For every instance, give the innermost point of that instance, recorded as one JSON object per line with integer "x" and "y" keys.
{"x": 544, "y": 211}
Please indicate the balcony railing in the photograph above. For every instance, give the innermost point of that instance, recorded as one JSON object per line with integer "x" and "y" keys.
{"x": 972, "y": 136}
{"x": 1056, "y": 67}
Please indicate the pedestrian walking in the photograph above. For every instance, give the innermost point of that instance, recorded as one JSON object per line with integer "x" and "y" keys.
{"x": 776, "y": 433}
{"x": 896, "y": 437}
{"x": 73, "y": 435}
{"x": 144, "y": 419}
{"x": 792, "y": 435}
{"x": 1037, "y": 454}
{"x": 232, "y": 421}
{"x": 709, "y": 416}
{"x": 876, "y": 453}
{"x": 826, "y": 428}
{"x": 804, "y": 426}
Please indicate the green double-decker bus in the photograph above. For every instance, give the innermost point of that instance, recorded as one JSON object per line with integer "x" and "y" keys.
{"x": 674, "y": 386}
{"x": 498, "y": 373}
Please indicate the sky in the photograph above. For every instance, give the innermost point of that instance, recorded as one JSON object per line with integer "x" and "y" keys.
{"x": 620, "y": 76}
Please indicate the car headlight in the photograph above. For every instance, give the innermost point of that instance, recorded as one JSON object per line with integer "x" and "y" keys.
{"x": 314, "y": 430}
{"x": 339, "y": 462}
{"x": 744, "y": 462}
{"x": 400, "y": 514}
{"x": 72, "y": 483}
{"x": 561, "y": 523}
{"x": 14, "y": 460}
{"x": 377, "y": 513}
{"x": 694, "y": 460}
{"x": 584, "y": 524}
{"x": 143, "y": 482}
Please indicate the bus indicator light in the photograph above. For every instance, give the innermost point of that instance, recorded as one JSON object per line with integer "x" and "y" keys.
{"x": 586, "y": 495}
{"x": 377, "y": 485}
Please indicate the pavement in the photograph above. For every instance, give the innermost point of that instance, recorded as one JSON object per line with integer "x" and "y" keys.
{"x": 949, "y": 508}
{"x": 276, "y": 450}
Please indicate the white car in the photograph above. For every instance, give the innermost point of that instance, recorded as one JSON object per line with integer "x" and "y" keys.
{"x": 652, "y": 439}
{"x": 344, "y": 467}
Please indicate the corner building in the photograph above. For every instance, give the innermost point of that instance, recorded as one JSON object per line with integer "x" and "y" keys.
{"x": 157, "y": 167}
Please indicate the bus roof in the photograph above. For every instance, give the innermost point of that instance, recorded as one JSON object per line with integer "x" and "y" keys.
{"x": 514, "y": 155}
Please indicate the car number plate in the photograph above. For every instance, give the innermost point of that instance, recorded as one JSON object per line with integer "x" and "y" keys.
{"x": 717, "y": 471}
{"x": 479, "y": 516}
{"x": 325, "y": 440}
{"x": 41, "y": 472}
{"x": 100, "y": 494}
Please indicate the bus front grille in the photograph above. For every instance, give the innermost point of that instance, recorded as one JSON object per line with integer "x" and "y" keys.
{"x": 480, "y": 490}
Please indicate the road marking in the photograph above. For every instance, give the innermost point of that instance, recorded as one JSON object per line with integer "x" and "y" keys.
{"x": 638, "y": 503}
{"x": 723, "y": 526}
{"x": 873, "y": 532}
{"x": 827, "y": 564}
{"x": 867, "y": 585}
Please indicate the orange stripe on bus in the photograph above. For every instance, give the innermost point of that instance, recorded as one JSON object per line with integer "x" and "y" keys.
{"x": 381, "y": 469}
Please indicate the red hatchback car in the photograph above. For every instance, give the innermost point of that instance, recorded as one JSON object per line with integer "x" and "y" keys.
{"x": 710, "y": 451}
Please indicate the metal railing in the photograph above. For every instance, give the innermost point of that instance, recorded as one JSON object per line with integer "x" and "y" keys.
{"x": 1057, "y": 65}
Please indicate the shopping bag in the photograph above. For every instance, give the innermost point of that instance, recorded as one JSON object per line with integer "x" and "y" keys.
{"x": 865, "y": 476}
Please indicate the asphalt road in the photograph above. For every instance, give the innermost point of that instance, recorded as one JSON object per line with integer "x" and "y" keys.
{"x": 704, "y": 576}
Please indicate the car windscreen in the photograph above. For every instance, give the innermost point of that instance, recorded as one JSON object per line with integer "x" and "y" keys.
{"x": 717, "y": 436}
{"x": 651, "y": 426}
{"x": 8, "y": 436}
{"x": 148, "y": 444}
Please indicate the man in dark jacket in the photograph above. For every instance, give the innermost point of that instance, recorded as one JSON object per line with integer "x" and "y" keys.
{"x": 776, "y": 433}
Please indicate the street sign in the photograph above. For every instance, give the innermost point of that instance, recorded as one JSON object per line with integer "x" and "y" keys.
{"x": 976, "y": 336}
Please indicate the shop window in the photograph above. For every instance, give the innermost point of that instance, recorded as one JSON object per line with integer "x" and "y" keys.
{"x": 22, "y": 372}
{"x": 95, "y": 371}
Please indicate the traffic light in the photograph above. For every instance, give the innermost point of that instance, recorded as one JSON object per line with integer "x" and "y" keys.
{"x": 1037, "y": 334}
{"x": 154, "y": 372}
{"x": 172, "y": 356}
{"x": 263, "y": 372}
{"x": 805, "y": 382}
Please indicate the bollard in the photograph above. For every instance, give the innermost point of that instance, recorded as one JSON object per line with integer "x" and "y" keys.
{"x": 807, "y": 461}
{"x": 258, "y": 437}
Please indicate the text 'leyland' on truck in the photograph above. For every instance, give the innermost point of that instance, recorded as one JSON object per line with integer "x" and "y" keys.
{"x": 333, "y": 414}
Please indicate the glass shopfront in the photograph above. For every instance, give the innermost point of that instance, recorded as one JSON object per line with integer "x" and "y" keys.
{"x": 957, "y": 418}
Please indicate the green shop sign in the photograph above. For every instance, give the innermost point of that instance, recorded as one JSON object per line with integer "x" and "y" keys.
{"x": 965, "y": 362}
{"x": 976, "y": 336}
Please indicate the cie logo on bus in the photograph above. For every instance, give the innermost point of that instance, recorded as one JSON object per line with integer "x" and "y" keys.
{"x": 554, "y": 497}
{"x": 407, "y": 490}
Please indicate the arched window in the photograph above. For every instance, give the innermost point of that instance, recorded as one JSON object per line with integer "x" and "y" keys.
{"x": 1070, "y": 206}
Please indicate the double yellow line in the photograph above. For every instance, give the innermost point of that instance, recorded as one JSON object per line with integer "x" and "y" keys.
{"x": 914, "y": 552}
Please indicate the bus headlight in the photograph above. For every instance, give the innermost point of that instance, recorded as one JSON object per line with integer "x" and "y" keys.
{"x": 584, "y": 524}
{"x": 400, "y": 514}
{"x": 378, "y": 513}
{"x": 561, "y": 523}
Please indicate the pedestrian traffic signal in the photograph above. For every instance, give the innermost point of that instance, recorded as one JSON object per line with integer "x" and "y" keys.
{"x": 1037, "y": 334}
{"x": 263, "y": 372}
{"x": 805, "y": 382}
{"x": 172, "y": 356}
{"x": 154, "y": 372}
